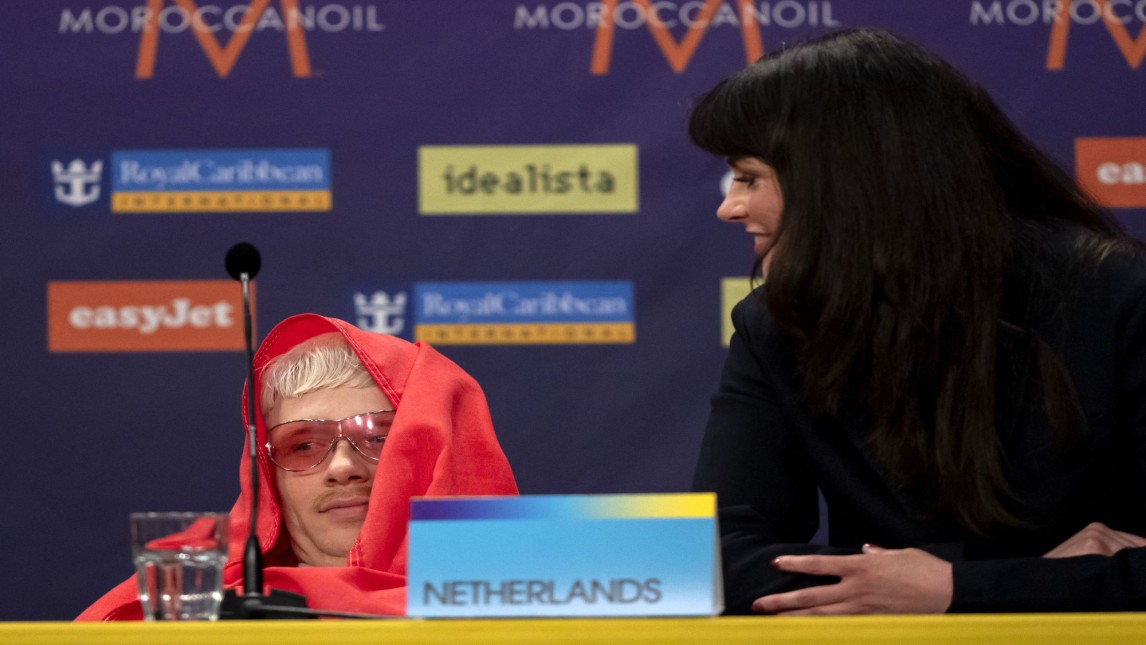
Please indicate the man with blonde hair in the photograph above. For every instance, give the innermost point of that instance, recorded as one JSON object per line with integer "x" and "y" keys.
{"x": 351, "y": 425}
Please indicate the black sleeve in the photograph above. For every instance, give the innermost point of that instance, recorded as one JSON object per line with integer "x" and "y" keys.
{"x": 1112, "y": 310}
{"x": 1084, "y": 583}
{"x": 766, "y": 493}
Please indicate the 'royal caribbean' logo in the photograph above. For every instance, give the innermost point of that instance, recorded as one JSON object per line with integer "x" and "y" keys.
{"x": 501, "y": 313}
{"x": 381, "y": 311}
{"x": 524, "y": 313}
{"x": 164, "y": 181}
{"x": 77, "y": 184}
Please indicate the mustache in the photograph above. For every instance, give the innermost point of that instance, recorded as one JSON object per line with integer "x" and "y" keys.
{"x": 351, "y": 492}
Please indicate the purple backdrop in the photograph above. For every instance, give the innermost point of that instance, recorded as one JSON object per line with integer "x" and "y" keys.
{"x": 360, "y": 87}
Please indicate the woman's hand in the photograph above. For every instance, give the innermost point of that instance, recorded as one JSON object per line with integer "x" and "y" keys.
{"x": 878, "y": 581}
{"x": 1096, "y": 539}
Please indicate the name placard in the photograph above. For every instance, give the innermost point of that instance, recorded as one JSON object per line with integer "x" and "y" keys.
{"x": 565, "y": 555}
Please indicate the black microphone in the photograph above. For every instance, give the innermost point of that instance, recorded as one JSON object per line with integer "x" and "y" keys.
{"x": 243, "y": 258}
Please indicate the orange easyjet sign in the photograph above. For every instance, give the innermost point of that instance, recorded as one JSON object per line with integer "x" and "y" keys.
{"x": 199, "y": 315}
{"x": 1113, "y": 170}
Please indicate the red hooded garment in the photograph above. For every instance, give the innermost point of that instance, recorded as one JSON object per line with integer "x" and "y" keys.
{"x": 441, "y": 444}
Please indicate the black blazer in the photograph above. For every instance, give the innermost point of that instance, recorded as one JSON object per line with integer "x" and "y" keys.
{"x": 767, "y": 458}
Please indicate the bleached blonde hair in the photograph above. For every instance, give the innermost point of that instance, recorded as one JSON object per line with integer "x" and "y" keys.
{"x": 319, "y": 363}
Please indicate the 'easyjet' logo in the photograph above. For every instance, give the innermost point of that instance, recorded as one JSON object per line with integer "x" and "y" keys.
{"x": 1113, "y": 170}
{"x": 200, "y": 315}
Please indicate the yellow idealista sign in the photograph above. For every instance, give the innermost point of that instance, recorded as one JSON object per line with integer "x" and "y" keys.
{"x": 732, "y": 291}
{"x": 525, "y": 179}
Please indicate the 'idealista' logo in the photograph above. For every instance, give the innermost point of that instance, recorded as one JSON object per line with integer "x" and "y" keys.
{"x": 171, "y": 18}
{"x": 575, "y": 178}
{"x": 1113, "y": 170}
{"x": 732, "y": 291}
{"x": 202, "y": 315}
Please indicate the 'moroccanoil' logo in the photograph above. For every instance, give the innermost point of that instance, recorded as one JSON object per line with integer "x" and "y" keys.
{"x": 222, "y": 30}
{"x": 525, "y": 313}
{"x": 515, "y": 179}
{"x": 157, "y": 181}
{"x": 1113, "y": 170}
{"x": 664, "y": 20}
{"x": 153, "y": 316}
{"x": 1119, "y": 17}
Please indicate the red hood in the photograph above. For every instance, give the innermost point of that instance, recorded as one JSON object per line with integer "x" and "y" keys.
{"x": 441, "y": 444}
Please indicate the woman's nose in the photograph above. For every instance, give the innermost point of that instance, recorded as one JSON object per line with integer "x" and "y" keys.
{"x": 731, "y": 209}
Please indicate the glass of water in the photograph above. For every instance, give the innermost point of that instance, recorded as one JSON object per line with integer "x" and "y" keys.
{"x": 179, "y": 561}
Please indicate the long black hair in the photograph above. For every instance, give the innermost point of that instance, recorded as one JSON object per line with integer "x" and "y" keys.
{"x": 907, "y": 197}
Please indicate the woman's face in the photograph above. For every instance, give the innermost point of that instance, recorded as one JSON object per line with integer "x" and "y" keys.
{"x": 754, "y": 200}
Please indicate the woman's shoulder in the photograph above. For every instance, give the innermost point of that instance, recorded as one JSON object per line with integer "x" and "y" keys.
{"x": 1098, "y": 263}
{"x": 753, "y": 301}
{"x": 1117, "y": 267}
{"x": 1095, "y": 283}
{"x": 751, "y": 312}
{"x": 756, "y": 328}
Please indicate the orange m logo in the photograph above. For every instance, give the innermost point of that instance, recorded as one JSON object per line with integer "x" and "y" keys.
{"x": 1133, "y": 50}
{"x": 678, "y": 54}
{"x": 222, "y": 58}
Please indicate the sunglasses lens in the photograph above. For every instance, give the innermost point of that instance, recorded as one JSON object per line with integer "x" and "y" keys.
{"x": 369, "y": 431}
{"x": 303, "y": 444}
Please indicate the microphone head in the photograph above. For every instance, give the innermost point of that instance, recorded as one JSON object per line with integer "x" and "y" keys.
{"x": 243, "y": 258}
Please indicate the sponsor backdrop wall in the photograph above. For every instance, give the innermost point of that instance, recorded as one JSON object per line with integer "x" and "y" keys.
{"x": 508, "y": 180}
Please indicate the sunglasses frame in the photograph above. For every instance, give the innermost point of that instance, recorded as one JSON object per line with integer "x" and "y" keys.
{"x": 330, "y": 447}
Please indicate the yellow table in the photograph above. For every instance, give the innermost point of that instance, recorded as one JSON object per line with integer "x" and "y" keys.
{"x": 1035, "y": 629}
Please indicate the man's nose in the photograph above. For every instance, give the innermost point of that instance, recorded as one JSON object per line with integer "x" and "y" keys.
{"x": 346, "y": 464}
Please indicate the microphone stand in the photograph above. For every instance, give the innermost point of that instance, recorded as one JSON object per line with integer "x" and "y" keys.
{"x": 242, "y": 264}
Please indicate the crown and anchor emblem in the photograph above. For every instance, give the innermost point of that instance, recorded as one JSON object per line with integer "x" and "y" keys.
{"x": 381, "y": 312}
{"x": 77, "y": 184}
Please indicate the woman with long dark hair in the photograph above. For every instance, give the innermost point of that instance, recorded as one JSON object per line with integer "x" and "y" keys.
{"x": 950, "y": 346}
